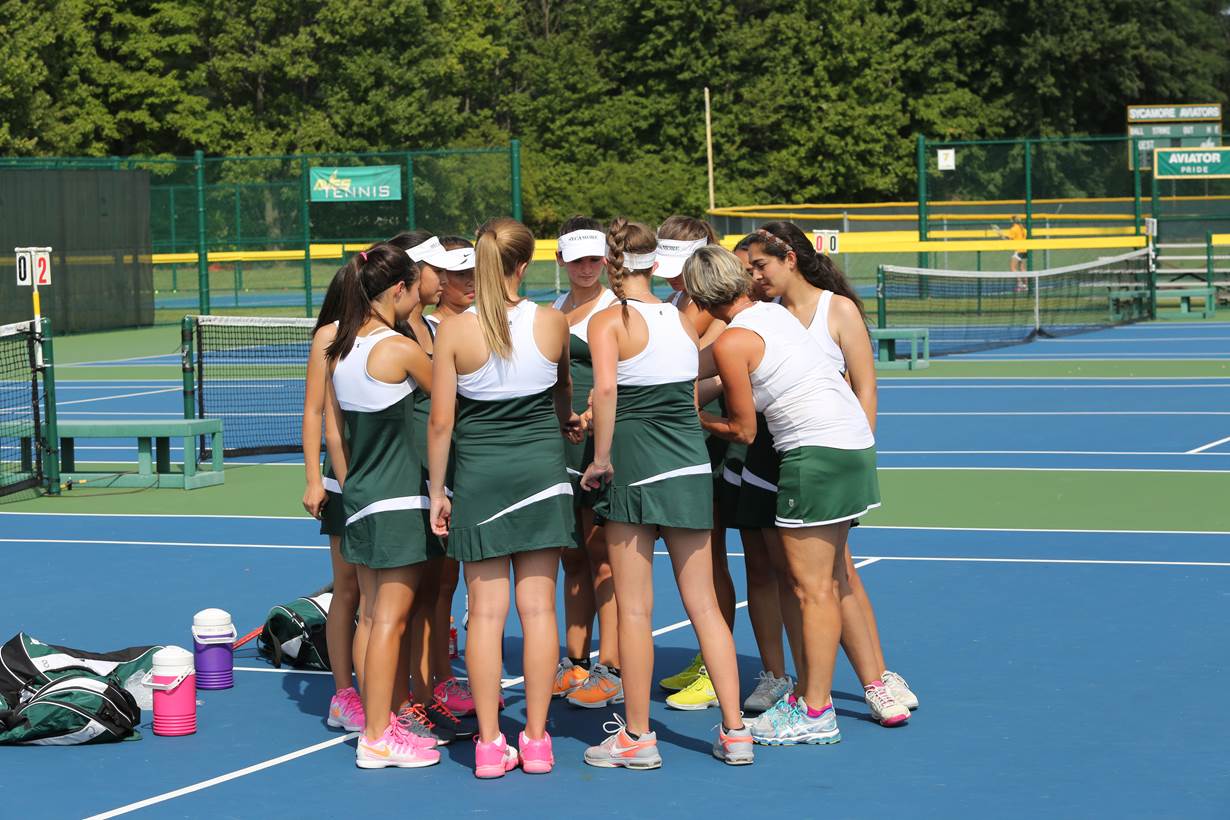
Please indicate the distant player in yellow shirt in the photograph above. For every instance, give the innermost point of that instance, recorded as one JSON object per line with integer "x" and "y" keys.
{"x": 1017, "y": 263}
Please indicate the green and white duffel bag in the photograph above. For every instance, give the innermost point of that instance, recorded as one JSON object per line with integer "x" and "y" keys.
{"x": 70, "y": 711}
{"x": 28, "y": 664}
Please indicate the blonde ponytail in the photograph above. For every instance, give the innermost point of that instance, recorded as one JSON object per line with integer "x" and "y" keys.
{"x": 503, "y": 245}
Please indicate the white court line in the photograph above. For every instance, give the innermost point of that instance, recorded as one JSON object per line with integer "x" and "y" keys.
{"x": 304, "y": 517}
{"x": 121, "y": 396}
{"x": 214, "y": 781}
{"x": 1055, "y": 469}
{"x": 174, "y": 361}
{"x": 955, "y": 559}
{"x": 128, "y": 542}
{"x": 1056, "y": 413}
{"x": 286, "y": 758}
{"x": 1218, "y": 385}
{"x": 1132, "y": 340}
{"x": 1209, "y": 446}
{"x": 103, "y": 384}
{"x": 286, "y": 671}
{"x": 128, "y": 413}
{"x": 1035, "y": 453}
{"x": 1041, "y": 530}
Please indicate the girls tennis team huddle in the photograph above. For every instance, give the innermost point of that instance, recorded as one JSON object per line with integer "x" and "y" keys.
{"x": 508, "y": 437}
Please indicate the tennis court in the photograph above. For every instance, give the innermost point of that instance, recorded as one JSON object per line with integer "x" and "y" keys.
{"x": 1050, "y": 571}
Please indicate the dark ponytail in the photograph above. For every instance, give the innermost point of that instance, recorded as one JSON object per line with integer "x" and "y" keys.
{"x": 331, "y": 307}
{"x": 367, "y": 275}
{"x": 779, "y": 238}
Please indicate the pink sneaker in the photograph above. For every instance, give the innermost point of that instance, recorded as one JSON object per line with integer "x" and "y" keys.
{"x": 346, "y": 711}
{"x": 457, "y": 696}
{"x": 395, "y": 747}
{"x": 493, "y": 759}
{"x": 536, "y": 755}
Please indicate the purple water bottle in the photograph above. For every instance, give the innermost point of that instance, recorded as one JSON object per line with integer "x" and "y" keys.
{"x": 213, "y": 638}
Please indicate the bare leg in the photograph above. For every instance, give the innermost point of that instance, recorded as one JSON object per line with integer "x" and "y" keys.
{"x": 578, "y": 602}
{"x": 722, "y": 582}
{"x": 792, "y": 614}
{"x": 811, "y": 553}
{"x": 394, "y": 595}
{"x": 859, "y": 636}
{"x": 631, "y": 550}
{"x": 439, "y": 660}
{"x": 763, "y": 608}
{"x": 535, "y": 579}
{"x": 421, "y": 631}
{"x": 694, "y": 575}
{"x": 340, "y": 626}
{"x": 363, "y": 628}
{"x": 489, "y": 593}
{"x": 604, "y": 589}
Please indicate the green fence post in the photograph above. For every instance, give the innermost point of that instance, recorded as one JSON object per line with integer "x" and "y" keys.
{"x": 410, "y": 216}
{"x": 187, "y": 364}
{"x": 51, "y": 430}
{"x": 1029, "y": 203}
{"x": 1208, "y": 238}
{"x": 1136, "y": 203}
{"x": 202, "y": 245}
{"x": 514, "y": 171}
{"x": 881, "y": 307}
{"x": 305, "y": 188}
{"x": 174, "y": 246}
{"x": 1156, "y": 211}
{"x": 922, "y": 187}
{"x": 238, "y": 247}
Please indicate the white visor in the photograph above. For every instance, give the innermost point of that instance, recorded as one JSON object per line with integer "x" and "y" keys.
{"x": 421, "y": 251}
{"x": 458, "y": 259}
{"x": 580, "y": 244}
{"x": 672, "y": 253}
{"x": 640, "y": 261}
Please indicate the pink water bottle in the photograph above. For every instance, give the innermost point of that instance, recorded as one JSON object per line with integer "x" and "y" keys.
{"x": 173, "y": 680}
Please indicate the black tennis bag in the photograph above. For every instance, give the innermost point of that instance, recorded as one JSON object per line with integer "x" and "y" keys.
{"x": 28, "y": 664}
{"x": 72, "y": 710}
{"x": 294, "y": 633}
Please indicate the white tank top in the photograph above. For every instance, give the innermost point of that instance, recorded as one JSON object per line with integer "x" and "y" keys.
{"x": 819, "y": 329}
{"x": 581, "y": 328}
{"x": 524, "y": 373}
{"x": 804, "y": 399}
{"x": 356, "y": 389}
{"x": 670, "y": 356}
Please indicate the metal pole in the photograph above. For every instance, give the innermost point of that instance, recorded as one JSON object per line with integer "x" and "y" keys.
{"x": 410, "y": 216}
{"x": 709, "y": 145}
{"x": 1209, "y": 260}
{"x": 202, "y": 245}
{"x": 51, "y": 430}
{"x": 1029, "y": 203}
{"x": 174, "y": 244}
{"x": 881, "y": 307}
{"x": 1137, "y": 205}
{"x": 922, "y": 187}
{"x": 186, "y": 364}
{"x": 305, "y": 217}
{"x": 514, "y": 162}
{"x": 239, "y": 247}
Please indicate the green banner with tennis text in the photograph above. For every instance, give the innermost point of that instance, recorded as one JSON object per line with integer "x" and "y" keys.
{"x": 359, "y": 183}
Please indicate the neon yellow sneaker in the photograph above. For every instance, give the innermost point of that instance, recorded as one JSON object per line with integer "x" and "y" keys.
{"x": 699, "y": 695}
{"x": 684, "y": 679}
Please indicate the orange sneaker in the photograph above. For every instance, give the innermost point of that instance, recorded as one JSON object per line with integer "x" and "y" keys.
{"x": 601, "y": 688}
{"x": 568, "y": 676}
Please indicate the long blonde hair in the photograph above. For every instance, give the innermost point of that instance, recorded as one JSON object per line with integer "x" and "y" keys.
{"x": 503, "y": 245}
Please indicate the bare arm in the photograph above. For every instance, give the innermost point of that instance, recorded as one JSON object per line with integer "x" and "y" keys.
{"x": 604, "y": 348}
{"x": 562, "y": 392}
{"x": 440, "y": 427}
{"x": 855, "y": 344}
{"x": 737, "y": 353}
{"x": 313, "y": 419}
{"x": 339, "y": 454}
{"x": 707, "y": 390}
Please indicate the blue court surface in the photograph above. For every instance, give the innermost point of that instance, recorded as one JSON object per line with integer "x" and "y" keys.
{"x": 1066, "y": 674}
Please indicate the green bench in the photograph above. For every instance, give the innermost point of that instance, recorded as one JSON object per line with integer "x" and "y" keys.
{"x": 889, "y": 337}
{"x": 1185, "y": 296}
{"x": 1126, "y": 305}
{"x": 153, "y": 451}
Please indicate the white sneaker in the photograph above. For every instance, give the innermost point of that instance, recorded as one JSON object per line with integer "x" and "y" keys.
{"x": 884, "y": 707}
{"x": 396, "y": 747}
{"x": 769, "y": 690}
{"x": 899, "y": 689}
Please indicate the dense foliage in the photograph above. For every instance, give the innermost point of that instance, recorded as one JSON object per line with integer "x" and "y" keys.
{"x": 813, "y": 100}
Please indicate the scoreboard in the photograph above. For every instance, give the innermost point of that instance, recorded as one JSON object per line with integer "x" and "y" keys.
{"x": 1191, "y": 125}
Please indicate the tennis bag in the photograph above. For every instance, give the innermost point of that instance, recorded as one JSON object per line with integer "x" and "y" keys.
{"x": 72, "y": 710}
{"x": 294, "y": 633}
{"x": 27, "y": 665}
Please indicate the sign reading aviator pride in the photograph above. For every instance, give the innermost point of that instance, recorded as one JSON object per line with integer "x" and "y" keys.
{"x": 362, "y": 183}
{"x": 1192, "y": 163}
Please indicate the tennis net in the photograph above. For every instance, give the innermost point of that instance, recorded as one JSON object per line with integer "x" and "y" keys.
{"x": 21, "y": 462}
{"x": 250, "y": 372}
{"x": 966, "y": 311}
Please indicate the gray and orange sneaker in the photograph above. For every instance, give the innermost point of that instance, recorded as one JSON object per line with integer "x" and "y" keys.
{"x": 602, "y": 688}
{"x": 568, "y": 676}
{"x": 735, "y": 747}
{"x": 621, "y": 751}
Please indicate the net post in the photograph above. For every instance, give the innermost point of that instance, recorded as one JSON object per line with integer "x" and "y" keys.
{"x": 51, "y": 430}
{"x": 305, "y": 190}
{"x": 514, "y": 172}
{"x": 202, "y": 246}
{"x": 881, "y": 307}
{"x": 186, "y": 365}
{"x": 410, "y": 215}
